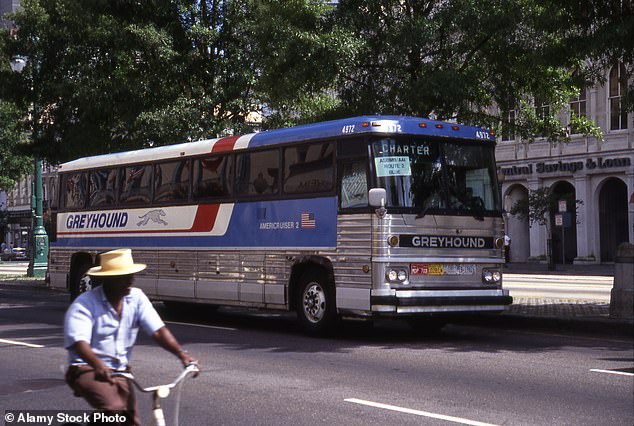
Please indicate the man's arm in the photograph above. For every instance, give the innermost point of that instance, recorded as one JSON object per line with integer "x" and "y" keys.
{"x": 83, "y": 349}
{"x": 164, "y": 337}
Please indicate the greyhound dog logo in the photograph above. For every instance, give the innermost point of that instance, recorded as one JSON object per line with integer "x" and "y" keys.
{"x": 152, "y": 215}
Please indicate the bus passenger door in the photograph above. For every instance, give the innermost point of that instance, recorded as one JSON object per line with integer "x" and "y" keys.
{"x": 252, "y": 277}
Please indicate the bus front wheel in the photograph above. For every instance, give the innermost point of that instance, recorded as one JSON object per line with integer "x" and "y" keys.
{"x": 316, "y": 302}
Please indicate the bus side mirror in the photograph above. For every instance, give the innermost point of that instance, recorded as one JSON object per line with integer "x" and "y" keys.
{"x": 376, "y": 197}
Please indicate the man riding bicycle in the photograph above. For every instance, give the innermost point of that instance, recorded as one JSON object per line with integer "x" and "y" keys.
{"x": 100, "y": 329}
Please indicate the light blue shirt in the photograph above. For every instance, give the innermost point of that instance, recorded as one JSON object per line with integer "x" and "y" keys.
{"x": 92, "y": 319}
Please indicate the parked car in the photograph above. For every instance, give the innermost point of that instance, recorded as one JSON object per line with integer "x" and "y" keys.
{"x": 15, "y": 253}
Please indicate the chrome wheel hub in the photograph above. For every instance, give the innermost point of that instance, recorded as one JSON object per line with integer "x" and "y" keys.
{"x": 314, "y": 302}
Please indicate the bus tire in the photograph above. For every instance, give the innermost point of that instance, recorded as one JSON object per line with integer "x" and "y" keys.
{"x": 80, "y": 282}
{"x": 315, "y": 305}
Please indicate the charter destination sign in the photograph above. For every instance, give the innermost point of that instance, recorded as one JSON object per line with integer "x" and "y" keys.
{"x": 570, "y": 166}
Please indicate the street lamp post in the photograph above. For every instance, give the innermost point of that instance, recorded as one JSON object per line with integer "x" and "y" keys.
{"x": 38, "y": 256}
{"x": 38, "y": 259}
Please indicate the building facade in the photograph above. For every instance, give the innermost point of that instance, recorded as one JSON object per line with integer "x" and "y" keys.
{"x": 17, "y": 210}
{"x": 7, "y": 6}
{"x": 600, "y": 174}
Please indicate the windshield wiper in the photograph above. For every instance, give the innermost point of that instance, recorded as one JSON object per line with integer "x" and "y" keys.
{"x": 477, "y": 208}
{"x": 423, "y": 213}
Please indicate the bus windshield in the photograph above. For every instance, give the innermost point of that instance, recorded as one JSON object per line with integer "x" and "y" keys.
{"x": 424, "y": 175}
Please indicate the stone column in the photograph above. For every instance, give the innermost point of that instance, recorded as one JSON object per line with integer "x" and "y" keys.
{"x": 585, "y": 221}
{"x": 629, "y": 177}
{"x": 621, "y": 300}
{"x": 537, "y": 232}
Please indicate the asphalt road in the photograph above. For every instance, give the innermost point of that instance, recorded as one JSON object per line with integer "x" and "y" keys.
{"x": 260, "y": 370}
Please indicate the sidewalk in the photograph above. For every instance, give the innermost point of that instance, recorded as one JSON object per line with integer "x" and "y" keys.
{"x": 603, "y": 269}
{"x": 588, "y": 315}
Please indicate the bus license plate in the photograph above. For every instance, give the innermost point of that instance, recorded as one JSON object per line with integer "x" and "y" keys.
{"x": 442, "y": 269}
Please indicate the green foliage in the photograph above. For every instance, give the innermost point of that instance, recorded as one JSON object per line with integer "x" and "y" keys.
{"x": 109, "y": 76}
{"x": 537, "y": 207}
{"x": 541, "y": 205}
{"x": 106, "y": 76}
{"x": 93, "y": 68}
{"x": 13, "y": 164}
{"x": 457, "y": 59}
{"x": 602, "y": 33}
{"x": 298, "y": 53}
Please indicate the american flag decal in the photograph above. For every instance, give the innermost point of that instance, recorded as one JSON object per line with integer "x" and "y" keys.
{"x": 308, "y": 220}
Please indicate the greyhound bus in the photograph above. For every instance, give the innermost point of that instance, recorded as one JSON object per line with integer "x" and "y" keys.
{"x": 374, "y": 216}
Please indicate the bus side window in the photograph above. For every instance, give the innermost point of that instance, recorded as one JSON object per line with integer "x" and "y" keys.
{"x": 171, "y": 181}
{"x": 135, "y": 184}
{"x": 309, "y": 168}
{"x": 257, "y": 173}
{"x": 354, "y": 184}
{"x": 102, "y": 187}
{"x": 74, "y": 190}
{"x": 211, "y": 177}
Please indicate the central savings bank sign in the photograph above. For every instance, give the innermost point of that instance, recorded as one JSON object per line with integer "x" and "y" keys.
{"x": 570, "y": 167}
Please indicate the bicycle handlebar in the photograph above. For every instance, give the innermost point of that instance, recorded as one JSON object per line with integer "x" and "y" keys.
{"x": 190, "y": 368}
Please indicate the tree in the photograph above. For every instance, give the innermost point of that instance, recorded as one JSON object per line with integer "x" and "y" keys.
{"x": 459, "y": 59}
{"x": 602, "y": 33}
{"x": 93, "y": 68}
{"x": 13, "y": 163}
{"x": 108, "y": 76}
{"x": 539, "y": 207}
{"x": 300, "y": 51}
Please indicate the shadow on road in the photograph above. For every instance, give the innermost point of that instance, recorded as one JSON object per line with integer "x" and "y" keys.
{"x": 467, "y": 334}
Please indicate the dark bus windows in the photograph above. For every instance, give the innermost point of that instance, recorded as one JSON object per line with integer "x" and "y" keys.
{"x": 135, "y": 184}
{"x": 211, "y": 177}
{"x": 257, "y": 173}
{"x": 171, "y": 181}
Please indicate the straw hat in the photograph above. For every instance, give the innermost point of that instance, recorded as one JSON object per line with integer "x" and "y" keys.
{"x": 116, "y": 262}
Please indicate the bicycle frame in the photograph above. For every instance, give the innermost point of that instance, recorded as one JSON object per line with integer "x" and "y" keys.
{"x": 160, "y": 392}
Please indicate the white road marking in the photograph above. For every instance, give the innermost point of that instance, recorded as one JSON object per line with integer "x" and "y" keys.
{"x": 202, "y": 325}
{"x": 620, "y": 373}
{"x": 14, "y": 305}
{"x": 13, "y": 342}
{"x": 417, "y": 412}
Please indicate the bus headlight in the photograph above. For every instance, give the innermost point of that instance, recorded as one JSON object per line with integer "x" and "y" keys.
{"x": 491, "y": 276}
{"x": 396, "y": 275}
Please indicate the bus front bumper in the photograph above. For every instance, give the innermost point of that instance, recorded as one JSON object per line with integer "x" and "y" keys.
{"x": 437, "y": 301}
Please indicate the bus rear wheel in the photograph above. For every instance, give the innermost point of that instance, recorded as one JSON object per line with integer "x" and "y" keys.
{"x": 316, "y": 302}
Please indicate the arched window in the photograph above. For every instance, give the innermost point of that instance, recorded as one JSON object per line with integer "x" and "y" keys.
{"x": 618, "y": 87}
